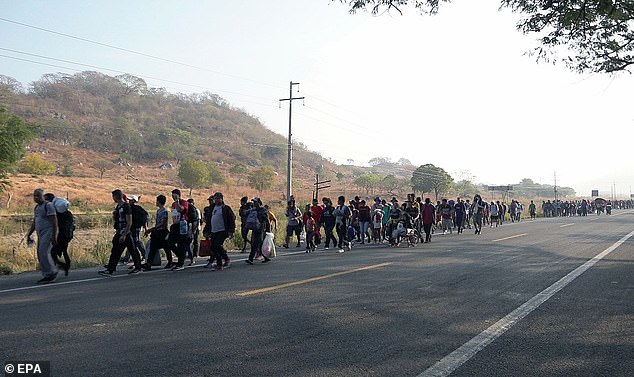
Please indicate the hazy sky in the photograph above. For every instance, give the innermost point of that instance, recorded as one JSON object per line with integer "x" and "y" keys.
{"x": 455, "y": 90}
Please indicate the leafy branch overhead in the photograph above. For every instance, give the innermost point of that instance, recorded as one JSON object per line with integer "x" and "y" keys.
{"x": 587, "y": 36}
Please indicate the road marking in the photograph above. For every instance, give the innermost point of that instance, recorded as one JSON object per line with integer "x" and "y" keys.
{"x": 565, "y": 225}
{"x": 461, "y": 355}
{"x": 508, "y": 238}
{"x": 306, "y": 281}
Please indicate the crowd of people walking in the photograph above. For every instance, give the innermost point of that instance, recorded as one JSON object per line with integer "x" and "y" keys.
{"x": 185, "y": 233}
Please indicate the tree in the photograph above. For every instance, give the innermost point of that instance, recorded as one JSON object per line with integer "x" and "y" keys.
{"x": 215, "y": 175}
{"x": 194, "y": 174}
{"x": 368, "y": 182}
{"x": 238, "y": 171}
{"x": 429, "y": 178}
{"x": 390, "y": 183}
{"x": 340, "y": 176}
{"x": 102, "y": 166}
{"x": 590, "y": 36}
{"x": 465, "y": 188}
{"x": 375, "y": 161}
{"x": 14, "y": 133}
{"x": 404, "y": 162}
{"x": 262, "y": 178}
{"x": 34, "y": 163}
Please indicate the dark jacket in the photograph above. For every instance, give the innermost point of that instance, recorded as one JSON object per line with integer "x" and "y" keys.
{"x": 227, "y": 214}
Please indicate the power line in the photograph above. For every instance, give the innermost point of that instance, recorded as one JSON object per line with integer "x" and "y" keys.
{"x": 137, "y": 52}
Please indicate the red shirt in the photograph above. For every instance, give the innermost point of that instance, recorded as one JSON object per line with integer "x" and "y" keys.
{"x": 185, "y": 206}
{"x": 317, "y": 211}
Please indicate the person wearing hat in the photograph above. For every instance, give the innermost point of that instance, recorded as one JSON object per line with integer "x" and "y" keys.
{"x": 220, "y": 223}
{"x": 259, "y": 217}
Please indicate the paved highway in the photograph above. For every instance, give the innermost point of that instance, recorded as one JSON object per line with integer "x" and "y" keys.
{"x": 552, "y": 297}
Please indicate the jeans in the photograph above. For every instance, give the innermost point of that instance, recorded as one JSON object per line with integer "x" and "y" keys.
{"x": 364, "y": 225}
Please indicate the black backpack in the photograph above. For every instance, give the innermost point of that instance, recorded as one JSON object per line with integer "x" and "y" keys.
{"x": 192, "y": 214}
{"x": 139, "y": 217}
{"x": 66, "y": 225}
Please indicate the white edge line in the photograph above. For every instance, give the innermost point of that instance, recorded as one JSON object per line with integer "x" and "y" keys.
{"x": 465, "y": 352}
{"x": 30, "y": 287}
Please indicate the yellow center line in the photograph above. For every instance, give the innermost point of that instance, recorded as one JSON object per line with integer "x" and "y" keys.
{"x": 565, "y": 225}
{"x": 306, "y": 281}
{"x": 508, "y": 238}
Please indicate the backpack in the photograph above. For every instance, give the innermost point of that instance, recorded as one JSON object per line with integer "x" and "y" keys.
{"x": 252, "y": 222}
{"x": 66, "y": 224}
{"x": 192, "y": 214}
{"x": 139, "y": 217}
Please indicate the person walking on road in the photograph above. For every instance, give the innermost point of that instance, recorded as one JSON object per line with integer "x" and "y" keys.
{"x": 293, "y": 225}
{"x": 46, "y": 227}
{"x": 222, "y": 222}
{"x": 158, "y": 234}
{"x": 122, "y": 238}
{"x": 260, "y": 217}
{"x": 428, "y": 215}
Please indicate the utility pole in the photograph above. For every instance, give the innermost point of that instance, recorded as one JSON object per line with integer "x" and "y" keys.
{"x": 318, "y": 186}
{"x": 289, "y": 174}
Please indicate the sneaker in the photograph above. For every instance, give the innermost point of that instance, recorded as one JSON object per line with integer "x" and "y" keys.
{"x": 340, "y": 251}
{"x": 326, "y": 248}
{"x": 266, "y": 260}
{"x": 248, "y": 261}
{"x": 47, "y": 279}
{"x": 227, "y": 264}
{"x": 169, "y": 265}
{"x": 307, "y": 250}
{"x": 146, "y": 267}
{"x": 135, "y": 271}
{"x": 285, "y": 246}
{"x": 178, "y": 267}
{"x": 210, "y": 265}
{"x": 192, "y": 262}
{"x": 105, "y": 273}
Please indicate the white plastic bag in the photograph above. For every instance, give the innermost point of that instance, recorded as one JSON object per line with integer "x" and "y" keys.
{"x": 268, "y": 246}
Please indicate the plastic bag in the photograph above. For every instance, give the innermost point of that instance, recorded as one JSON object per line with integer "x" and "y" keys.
{"x": 268, "y": 246}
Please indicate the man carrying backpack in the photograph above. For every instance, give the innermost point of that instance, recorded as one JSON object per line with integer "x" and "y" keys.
{"x": 221, "y": 224}
{"x": 179, "y": 230}
{"x": 342, "y": 220}
{"x": 66, "y": 229}
{"x": 121, "y": 239}
{"x": 258, "y": 223}
{"x": 139, "y": 221}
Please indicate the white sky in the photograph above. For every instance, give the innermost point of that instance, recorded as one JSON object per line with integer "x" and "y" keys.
{"x": 455, "y": 90}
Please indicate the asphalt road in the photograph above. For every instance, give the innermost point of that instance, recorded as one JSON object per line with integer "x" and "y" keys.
{"x": 509, "y": 302}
